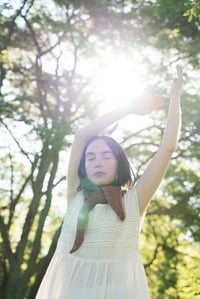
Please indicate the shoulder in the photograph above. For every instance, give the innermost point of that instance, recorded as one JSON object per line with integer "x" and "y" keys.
{"x": 75, "y": 201}
{"x": 131, "y": 201}
{"x": 132, "y": 206}
{"x": 131, "y": 193}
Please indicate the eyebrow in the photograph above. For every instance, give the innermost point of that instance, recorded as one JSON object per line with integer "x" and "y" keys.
{"x": 104, "y": 152}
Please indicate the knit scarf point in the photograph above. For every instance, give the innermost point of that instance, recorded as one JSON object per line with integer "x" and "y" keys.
{"x": 107, "y": 194}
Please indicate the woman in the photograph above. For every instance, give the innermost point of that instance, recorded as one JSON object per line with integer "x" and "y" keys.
{"x": 97, "y": 255}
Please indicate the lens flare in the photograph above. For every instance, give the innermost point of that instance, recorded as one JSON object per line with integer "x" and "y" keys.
{"x": 119, "y": 80}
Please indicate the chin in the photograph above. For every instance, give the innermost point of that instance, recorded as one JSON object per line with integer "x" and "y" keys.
{"x": 102, "y": 183}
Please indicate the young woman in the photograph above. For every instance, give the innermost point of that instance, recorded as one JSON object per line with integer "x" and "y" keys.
{"x": 97, "y": 255}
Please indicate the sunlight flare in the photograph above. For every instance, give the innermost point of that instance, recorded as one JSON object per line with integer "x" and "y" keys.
{"x": 119, "y": 80}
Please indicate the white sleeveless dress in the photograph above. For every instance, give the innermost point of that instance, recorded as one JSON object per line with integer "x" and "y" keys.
{"x": 108, "y": 263}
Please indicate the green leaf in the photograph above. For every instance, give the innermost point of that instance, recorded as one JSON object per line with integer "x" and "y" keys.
{"x": 187, "y": 13}
{"x": 190, "y": 19}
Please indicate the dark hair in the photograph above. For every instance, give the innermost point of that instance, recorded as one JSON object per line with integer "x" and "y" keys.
{"x": 124, "y": 171}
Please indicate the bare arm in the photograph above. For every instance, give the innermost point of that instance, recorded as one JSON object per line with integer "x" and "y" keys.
{"x": 150, "y": 180}
{"x": 142, "y": 105}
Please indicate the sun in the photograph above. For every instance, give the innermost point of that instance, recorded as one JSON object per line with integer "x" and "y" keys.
{"x": 113, "y": 76}
{"x": 120, "y": 78}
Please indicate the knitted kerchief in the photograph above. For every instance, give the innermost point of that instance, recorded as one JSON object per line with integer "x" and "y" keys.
{"x": 105, "y": 195}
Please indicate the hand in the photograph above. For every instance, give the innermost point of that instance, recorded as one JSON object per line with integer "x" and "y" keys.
{"x": 178, "y": 82}
{"x": 147, "y": 104}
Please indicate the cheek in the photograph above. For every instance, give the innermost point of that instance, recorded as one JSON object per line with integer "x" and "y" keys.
{"x": 113, "y": 167}
{"x": 88, "y": 168}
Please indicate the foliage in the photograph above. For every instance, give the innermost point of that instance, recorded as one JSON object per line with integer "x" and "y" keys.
{"x": 45, "y": 95}
{"x": 193, "y": 12}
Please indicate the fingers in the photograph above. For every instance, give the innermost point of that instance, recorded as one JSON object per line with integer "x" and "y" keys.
{"x": 158, "y": 103}
{"x": 177, "y": 82}
{"x": 147, "y": 104}
{"x": 154, "y": 104}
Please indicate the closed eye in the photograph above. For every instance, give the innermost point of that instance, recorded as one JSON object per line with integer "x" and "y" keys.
{"x": 107, "y": 155}
{"x": 90, "y": 157}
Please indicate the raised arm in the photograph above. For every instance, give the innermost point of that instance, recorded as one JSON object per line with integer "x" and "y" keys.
{"x": 141, "y": 106}
{"x": 150, "y": 180}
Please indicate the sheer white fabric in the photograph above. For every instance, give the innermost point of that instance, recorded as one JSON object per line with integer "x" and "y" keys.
{"x": 108, "y": 263}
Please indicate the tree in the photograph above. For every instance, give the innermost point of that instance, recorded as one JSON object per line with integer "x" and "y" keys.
{"x": 45, "y": 96}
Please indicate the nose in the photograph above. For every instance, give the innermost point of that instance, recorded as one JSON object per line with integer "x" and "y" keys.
{"x": 98, "y": 161}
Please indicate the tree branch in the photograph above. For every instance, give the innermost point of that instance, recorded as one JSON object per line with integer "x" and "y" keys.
{"x": 6, "y": 242}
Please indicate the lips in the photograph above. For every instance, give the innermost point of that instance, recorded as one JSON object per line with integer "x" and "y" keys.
{"x": 99, "y": 174}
